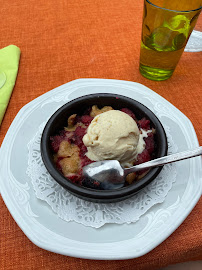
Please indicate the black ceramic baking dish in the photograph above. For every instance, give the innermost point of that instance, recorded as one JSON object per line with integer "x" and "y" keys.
{"x": 59, "y": 120}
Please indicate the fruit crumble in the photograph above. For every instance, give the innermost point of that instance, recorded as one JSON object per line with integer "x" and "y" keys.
{"x": 69, "y": 151}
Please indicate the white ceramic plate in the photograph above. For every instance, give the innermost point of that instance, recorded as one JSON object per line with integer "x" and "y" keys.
{"x": 47, "y": 230}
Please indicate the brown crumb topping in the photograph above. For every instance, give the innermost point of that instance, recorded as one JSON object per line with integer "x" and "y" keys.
{"x": 70, "y": 162}
{"x": 71, "y": 120}
{"x": 67, "y": 150}
{"x": 70, "y": 165}
{"x": 130, "y": 178}
{"x": 95, "y": 110}
{"x": 140, "y": 176}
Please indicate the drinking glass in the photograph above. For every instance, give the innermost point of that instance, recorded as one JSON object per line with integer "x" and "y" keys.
{"x": 166, "y": 28}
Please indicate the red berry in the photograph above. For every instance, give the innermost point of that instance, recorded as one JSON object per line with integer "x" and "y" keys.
{"x": 79, "y": 132}
{"x": 144, "y": 123}
{"x": 143, "y": 157}
{"x": 129, "y": 112}
{"x": 55, "y": 142}
{"x": 78, "y": 136}
{"x": 149, "y": 141}
{"x": 75, "y": 178}
{"x": 86, "y": 119}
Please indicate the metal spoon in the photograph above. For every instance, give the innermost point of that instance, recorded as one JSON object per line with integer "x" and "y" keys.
{"x": 112, "y": 175}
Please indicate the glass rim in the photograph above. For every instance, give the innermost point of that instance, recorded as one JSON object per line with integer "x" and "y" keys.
{"x": 173, "y": 9}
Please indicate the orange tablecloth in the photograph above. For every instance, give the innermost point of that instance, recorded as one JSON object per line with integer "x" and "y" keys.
{"x": 68, "y": 39}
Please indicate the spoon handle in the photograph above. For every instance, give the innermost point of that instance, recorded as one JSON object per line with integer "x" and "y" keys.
{"x": 165, "y": 160}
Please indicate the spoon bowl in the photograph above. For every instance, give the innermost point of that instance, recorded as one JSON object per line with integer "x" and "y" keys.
{"x": 108, "y": 174}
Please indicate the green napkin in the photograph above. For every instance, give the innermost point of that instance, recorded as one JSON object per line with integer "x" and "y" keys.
{"x": 9, "y": 61}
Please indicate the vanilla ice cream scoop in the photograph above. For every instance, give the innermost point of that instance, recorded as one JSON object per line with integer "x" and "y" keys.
{"x": 112, "y": 135}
